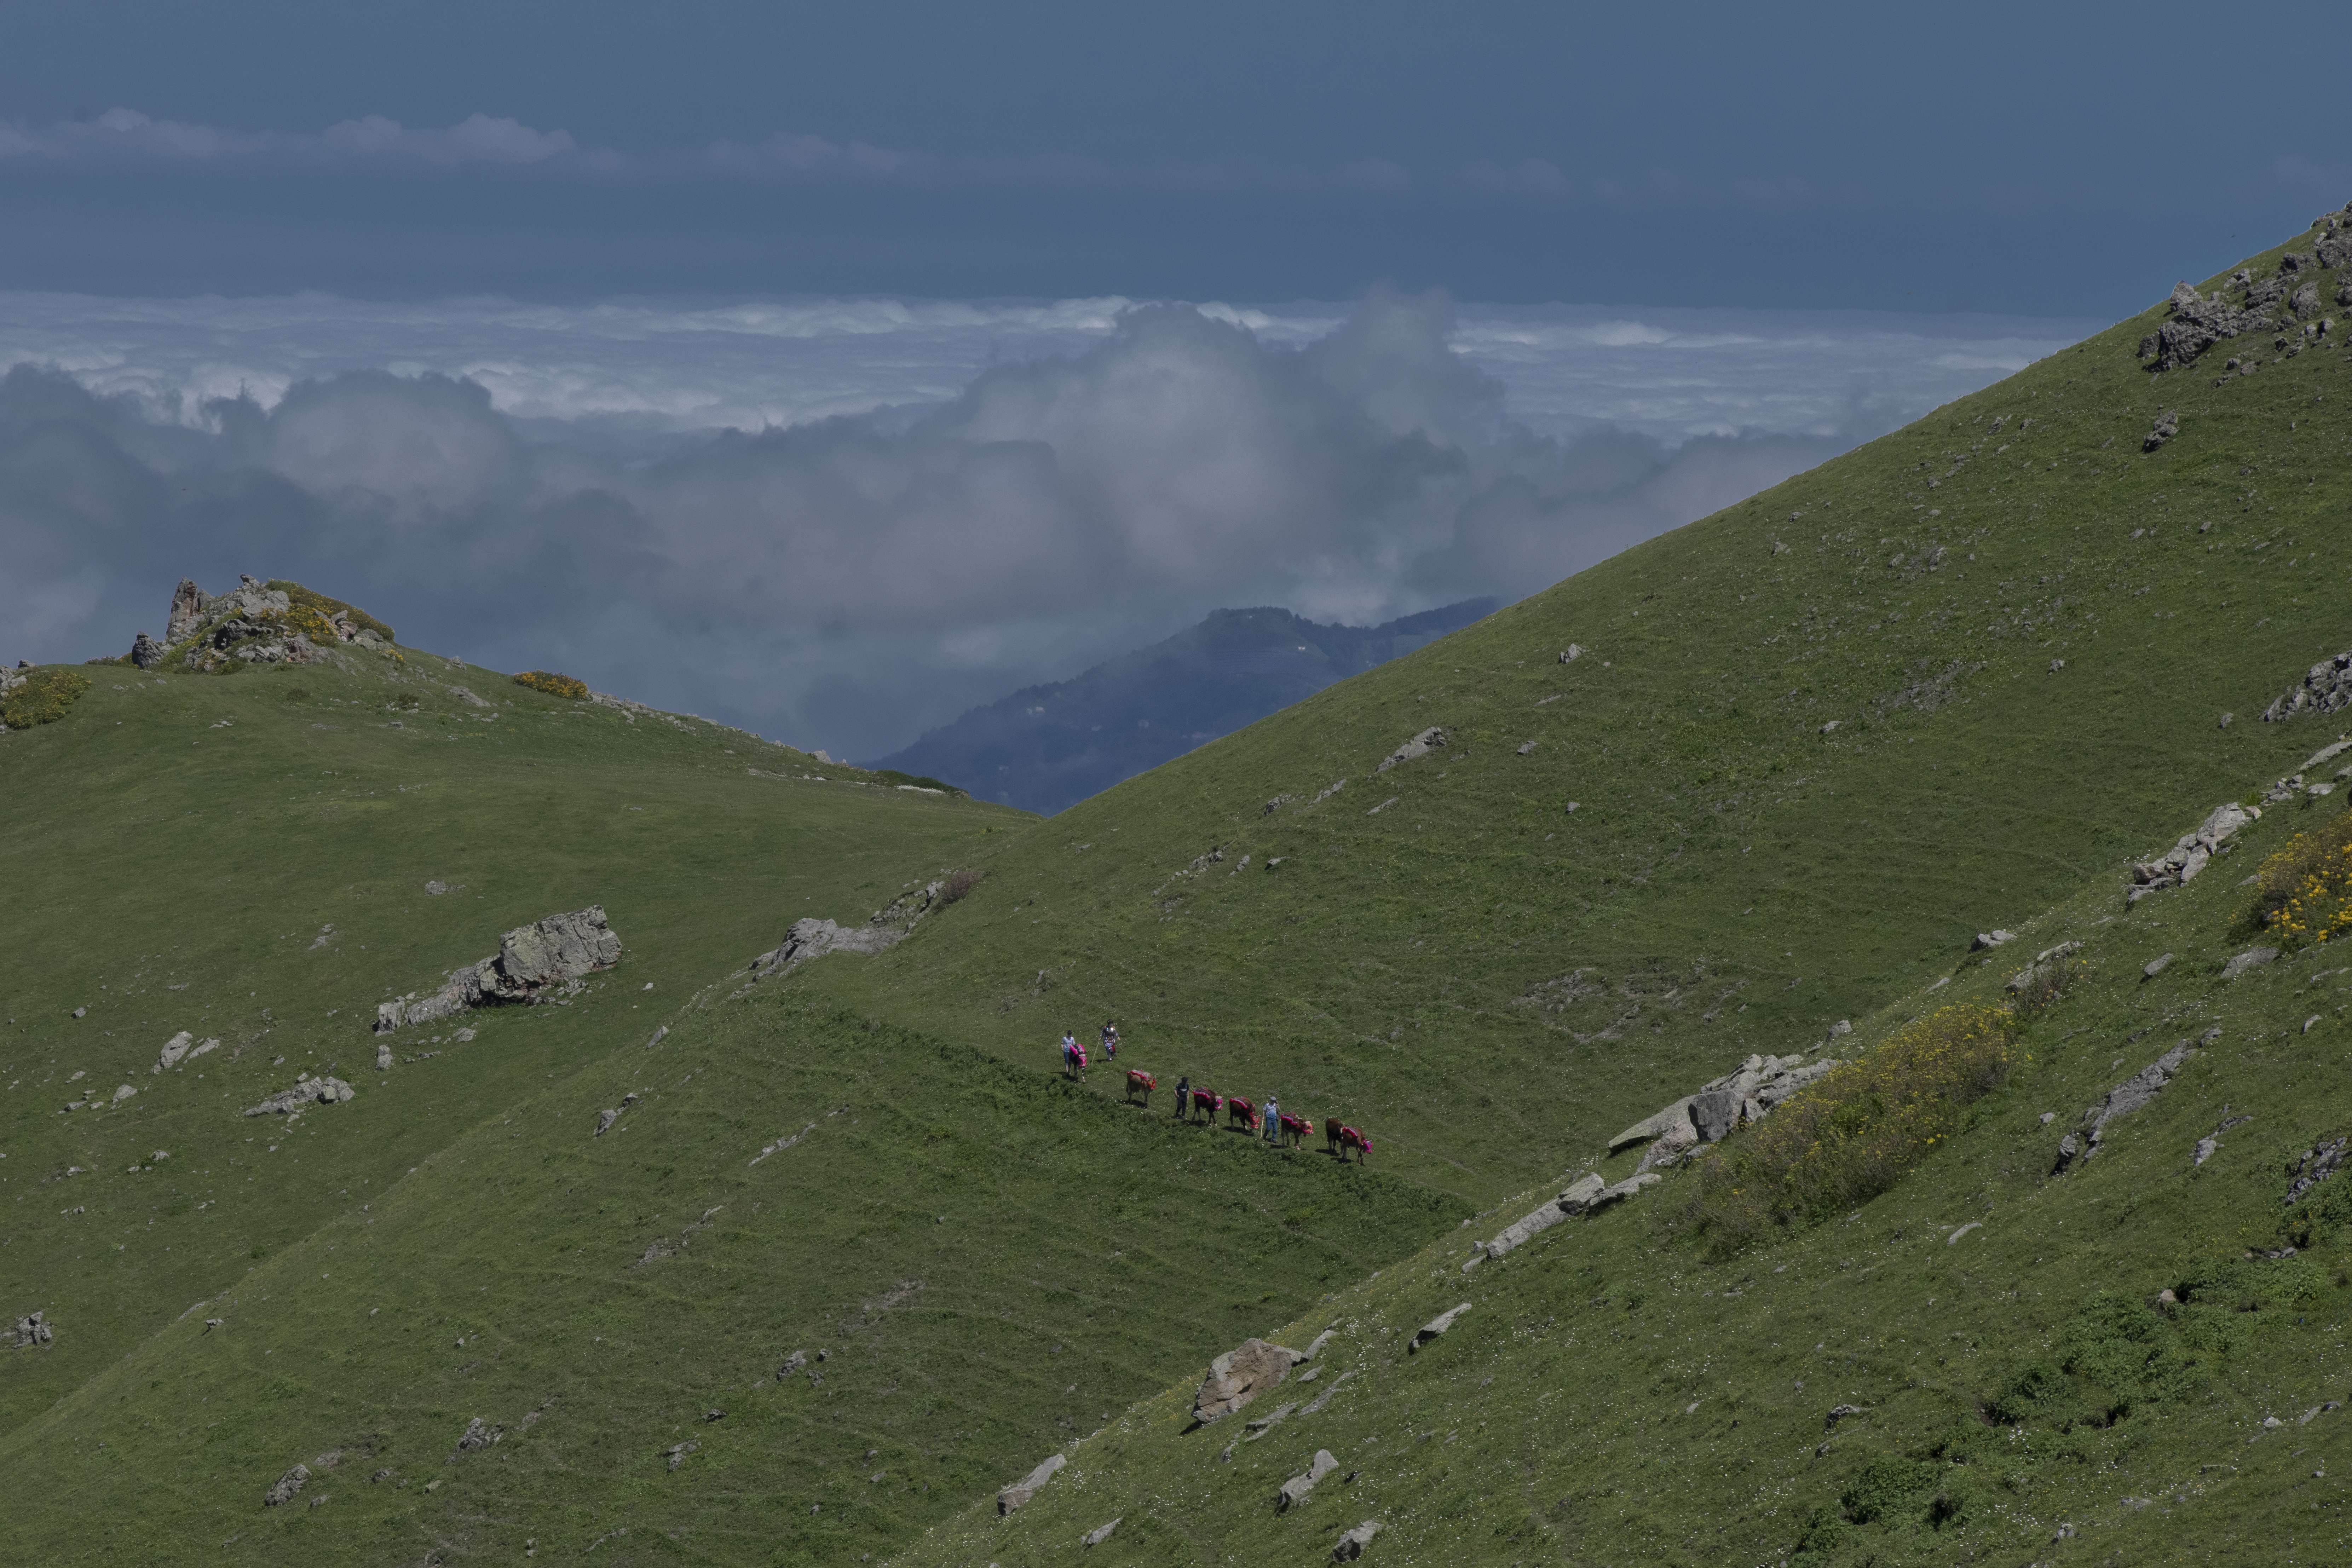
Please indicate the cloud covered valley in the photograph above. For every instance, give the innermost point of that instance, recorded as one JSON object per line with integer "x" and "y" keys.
{"x": 842, "y": 522}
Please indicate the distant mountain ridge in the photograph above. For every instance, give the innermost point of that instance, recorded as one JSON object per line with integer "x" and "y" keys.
{"x": 1047, "y": 747}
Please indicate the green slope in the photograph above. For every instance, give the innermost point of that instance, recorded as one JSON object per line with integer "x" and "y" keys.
{"x": 1613, "y": 1396}
{"x": 454, "y": 1241}
{"x": 1489, "y": 984}
{"x": 1816, "y": 744}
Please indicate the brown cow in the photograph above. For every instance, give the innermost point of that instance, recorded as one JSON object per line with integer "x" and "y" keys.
{"x": 1332, "y": 1135}
{"x": 1351, "y": 1138}
{"x": 1207, "y": 1102}
{"x": 1240, "y": 1112}
{"x": 1137, "y": 1079}
{"x": 1295, "y": 1127}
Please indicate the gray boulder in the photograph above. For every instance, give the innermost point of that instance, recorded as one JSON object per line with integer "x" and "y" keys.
{"x": 1240, "y": 1376}
{"x": 1351, "y": 1545}
{"x": 1715, "y": 1113}
{"x": 2168, "y": 426}
{"x": 1296, "y": 1489}
{"x": 1101, "y": 1533}
{"x": 306, "y": 1092}
{"x": 478, "y": 1434}
{"x": 1421, "y": 745}
{"x": 531, "y": 961}
{"x": 1434, "y": 1327}
{"x": 174, "y": 1049}
{"x": 1019, "y": 1493}
{"x": 34, "y": 1329}
{"x": 2132, "y": 1094}
{"x": 146, "y": 652}
{"x": 282, "y": 1490}
{"x": 2251, "y": 959}
{"x": 2305, "y": 302}
{"x": 2325, "y": 687}
{"x": 815, "y": 938}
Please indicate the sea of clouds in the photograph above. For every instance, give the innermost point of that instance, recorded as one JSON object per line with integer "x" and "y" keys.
{"x": 841, "y": 522}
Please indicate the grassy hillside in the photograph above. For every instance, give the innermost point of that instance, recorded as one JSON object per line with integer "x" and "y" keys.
{"x": 1816, "y": 744}
{"x": 1954, "y": 681}
{"x": 1615, "y": 1395}
{"x": 247, "y": 857}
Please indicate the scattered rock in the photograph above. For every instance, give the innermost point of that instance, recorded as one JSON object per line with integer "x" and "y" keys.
{"x": 792, "y": 1363}
{"x": 1101, "y": 1533}
{"x": 1953, "y": 1239}
{"x": 383, "y": 1057}
{"x": 1990, "y": 939}
{"x": 1296, "y": 1489}
{"x": 1839, "y": 1413}
{"x": 1570, "y": 654}
{"x": 478, "y": 1434}
{"x": 1434, "y": 1327}
{"x": 307, "y": 1091}
{"x": 174, "y": 1049}
{"x": 34, "y": 1329}
{"x": 2199, "y": 321}
{"x": 605, "y": 1120}
{"x": 531, "y": 961}
{"x": 1579, "y": 1196}
{"x": 2304, "y": 302}
{"x": 2168, "y": 426}
{"x": 2315, "y": 1167}
{"x": 1525, "y": 746}
{"x": 2155, "y": 967}
{"x": 1351, "y": 1545}
{"x": 677, "y": 1452}
{"x": 282, "y": 1490}
{"x": 434, "y": 890}
{"x": 1240, "y": 1376}
{"x": 2251, "y": 959}
{"x": 1324, "y": 1398}
{"x": 2131, "y": 1095}
{"x": 2192, "y": 853}
{"x": 1315, "y": 1346}
{"x": 1421, "y": 745}
{"x": 81, "y": 1012}
{"x": 1021, "y": 1491}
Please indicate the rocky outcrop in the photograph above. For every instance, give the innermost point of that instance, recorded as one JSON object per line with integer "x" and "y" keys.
{"x": 531, "y": 961}
{"x": 2199, "y": 321}
{"x": 2190, "y": 852}
{"x": 257, "y": 623}
{"x": 282, "y": 1490}
{"x": 146, "y": 652}
{"x": 480, "y": 1434}
{"x": 2325, "y": 687}
{"x": 34, "y": 1329}
{"x": 1351, "y": 1545}
{"x": 1018, "y": 1494}
{"x": 1747, "y": 1094}
{"x": 306, "y": 1092}
{"x": 188, "y": 603}
{"x": 1240, "y": 1376}
{"x": 2167, "y": 427}
{"x": 1430, "y": 740}
{"x": 885, "y": 929}
{"x": 1296, "y": 1489}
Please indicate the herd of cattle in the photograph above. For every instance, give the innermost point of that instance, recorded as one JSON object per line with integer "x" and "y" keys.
{"x": 1204, "y": 1104}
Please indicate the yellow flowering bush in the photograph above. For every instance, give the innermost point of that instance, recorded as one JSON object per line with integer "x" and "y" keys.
{"x": 554, "y": 685}
{"x": 2303, "y": 893}
{"x": 1855, "y": 1133}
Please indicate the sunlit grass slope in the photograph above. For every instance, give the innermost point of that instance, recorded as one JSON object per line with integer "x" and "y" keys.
{"x": 1615, "y": 1395}
{"x": 1814, "y": 744}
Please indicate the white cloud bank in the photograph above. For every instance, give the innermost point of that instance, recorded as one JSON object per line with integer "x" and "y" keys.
{"x": 920, "y": 505}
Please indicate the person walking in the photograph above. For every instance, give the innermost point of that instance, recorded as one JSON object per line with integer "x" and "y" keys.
{"x": 1074, "y": 1054}
{"x": 1183, "y": 1096}
{"x": 1110, "y": 1040}
{"x": 1272, "y": 1121}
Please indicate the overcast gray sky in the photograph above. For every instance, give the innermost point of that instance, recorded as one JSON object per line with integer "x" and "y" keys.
{"x": 2001, "y": 156}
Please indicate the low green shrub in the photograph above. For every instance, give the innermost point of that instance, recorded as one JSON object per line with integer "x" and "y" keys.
{"x": 324, "y": 607}
{"x": 1854, "y": 1133}
{"x": 957, "y": 884}
{"x": 553, "y": 684}
{"x": 921, "y": 780}
{"x": 298, "y": 694}
{"x": 1886, "y": 1486}
{"x": 45, "y": 696}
